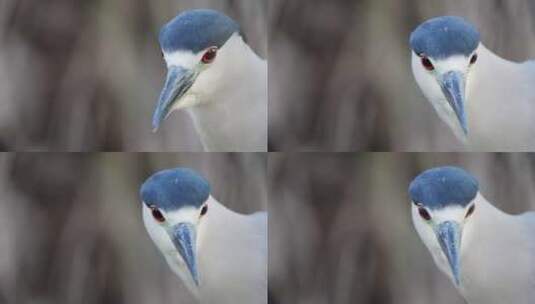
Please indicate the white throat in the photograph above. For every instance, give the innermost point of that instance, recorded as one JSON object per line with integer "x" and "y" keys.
{"x": 228, "y": 101}
{"x": 429, "y": 85}
{"x": 486, "y": 254}
{"x": 495, "y": 120}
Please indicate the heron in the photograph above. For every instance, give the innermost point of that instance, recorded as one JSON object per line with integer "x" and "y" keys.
{"x": 220, "y": 255}
{"x": 488, "y": 102}
{"x": 488, "y": 255}
{"x": 215, "y": 76}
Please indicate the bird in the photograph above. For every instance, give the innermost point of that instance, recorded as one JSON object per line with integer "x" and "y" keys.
{"x": 487, "y": 101}
{"x": 220, "y": 255}
{"x": 215, "y": 76}
{"x": 488, "y": 255}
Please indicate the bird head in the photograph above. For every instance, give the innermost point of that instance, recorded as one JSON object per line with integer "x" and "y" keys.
{"x": 174, "y": 206}
{"x": 443, "y": 203}
{"x": 444, "y": 51}
{"x": 199, "y": 48}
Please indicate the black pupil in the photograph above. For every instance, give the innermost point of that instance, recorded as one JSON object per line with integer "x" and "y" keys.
{"x": 204, "y": 210}
{"x": 424, "y": 214}
{"x": 427, "y": 63}
{"x": 470, "y": 210}
{"x": 473, "y": 59}
{"x": 157, "y": 215}
{"x": 209, "y": 55}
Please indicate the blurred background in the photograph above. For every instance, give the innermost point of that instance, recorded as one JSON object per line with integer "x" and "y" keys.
{"x": 86, "y": 75}
{"x": 340, "y": 77}
{"x": 71, "y": 228}
{"x": 341, "y": 231}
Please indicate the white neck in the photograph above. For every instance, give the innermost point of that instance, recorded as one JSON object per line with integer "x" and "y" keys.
{"x": 232, "y": 256}
{"x": 234, "y": 118}
{"x": 492, "y": 243}
{"x": 501, "y": 104}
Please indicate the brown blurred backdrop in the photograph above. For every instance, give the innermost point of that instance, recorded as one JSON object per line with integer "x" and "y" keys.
{"x": 71, "y": 228}
{"x": 85, "y": 75}
{"x": 341, "y": 231}
{"x": 340, "y": 77}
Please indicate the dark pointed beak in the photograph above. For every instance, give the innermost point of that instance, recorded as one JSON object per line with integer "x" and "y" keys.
{"x": 179, "y": 80}
{"x": 453, "y": 87}
{"x": 449, "y": 237}
{"x": 183, "y": 236}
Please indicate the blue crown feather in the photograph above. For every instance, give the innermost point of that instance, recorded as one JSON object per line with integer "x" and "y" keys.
{"x": 173, "y": 189}
{"x": 443, "y": 186}
{"x": 444, "y": 36}
{"x": 196, "y": 30}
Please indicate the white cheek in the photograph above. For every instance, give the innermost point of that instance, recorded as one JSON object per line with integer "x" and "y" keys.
{"x": 426, "y": 80}
{"x": 468, "y": 231}
{"x": 430, "y": 87}
{"x": 427, "y": 234}
{"x": 208, "y": 81}
{"x": 223, "y": 71}
{"x": 157, "y": 233}
{"x": 468, "y": 85}
{"x": 428, "y": 237}
{"x": 424, "y": 229}
{"x": 189, "y": 100}
{"x": 185, "y": 59}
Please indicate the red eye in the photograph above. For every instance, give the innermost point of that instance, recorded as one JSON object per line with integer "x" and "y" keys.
{"x": 210, "y": 55}
{"x": 204, "y": 210}
{"x": 427, "y": 64}
{"x": 157, "y": 214}
{"x": 470, "y": 210}
{"x": 424, "y": 214}
{"x": 473, "y": 59}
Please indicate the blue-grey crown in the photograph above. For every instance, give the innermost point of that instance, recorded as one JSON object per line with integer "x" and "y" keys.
{"x": 173, "y": 189}
{"x": 444, "y": 36}
{"x": 196, "y": 30}
{"x": 443, "y": 186}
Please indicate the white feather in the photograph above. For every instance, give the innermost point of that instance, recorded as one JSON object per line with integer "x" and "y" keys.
{"x": 500, "y": 101}
{"x": 231, "y": 249}
{"x": 235, "y": 271}
{"x": 497, "y": 253}
{"x": 228, "y": 101}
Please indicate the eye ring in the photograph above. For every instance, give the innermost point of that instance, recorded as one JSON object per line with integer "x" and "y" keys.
{"x": 424, "y": 214}
{"x": 157, "y": 214}
{"x": 470, "y": 211}
{"x": 428, "y": 65}
{"x": 204, "y": 210}
{"x": 473, "y": 59}
{"x": 209, "y": 55}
